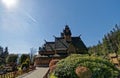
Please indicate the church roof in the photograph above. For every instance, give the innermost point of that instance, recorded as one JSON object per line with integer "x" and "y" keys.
{"x": 38, "y": 56}
{"x": 78, "y": 43}
{"x": 50, "y": 46}
{"x": 60, "y": 43}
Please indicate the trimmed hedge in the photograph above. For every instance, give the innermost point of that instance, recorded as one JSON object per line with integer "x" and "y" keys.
{"x": 101, "y": 68}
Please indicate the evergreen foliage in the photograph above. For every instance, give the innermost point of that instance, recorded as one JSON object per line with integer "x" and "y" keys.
{"x": 3, "y": 55}
{"x": 100, "y": 68}
{"x": 23, "y": 58}
{"x": 11, "y": 58}
{"x": 110, "y": 43}
{"x": 25, "y": 63}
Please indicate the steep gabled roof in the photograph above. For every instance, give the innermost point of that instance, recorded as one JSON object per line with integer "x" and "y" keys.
{"x": 78, "y": 43}
{"x": 50, "y": 46}
{"x": 60, "y": 43}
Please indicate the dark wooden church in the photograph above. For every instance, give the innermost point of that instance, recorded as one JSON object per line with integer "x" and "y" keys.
{"x": 60, "y": 48}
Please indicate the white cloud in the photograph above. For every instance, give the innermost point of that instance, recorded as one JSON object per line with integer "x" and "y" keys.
{"x": 30, "y": 17}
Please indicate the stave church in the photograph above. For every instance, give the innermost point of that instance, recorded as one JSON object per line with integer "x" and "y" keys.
{"x": 60, "y": 48}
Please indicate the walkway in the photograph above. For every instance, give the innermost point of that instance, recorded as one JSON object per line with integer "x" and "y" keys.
{"x": 38, "y": 73}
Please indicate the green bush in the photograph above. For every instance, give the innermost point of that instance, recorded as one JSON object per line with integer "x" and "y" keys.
{"x": 101, "y": 68}
{"x": 25, "y": 64}
{"x": 52, "y": 75}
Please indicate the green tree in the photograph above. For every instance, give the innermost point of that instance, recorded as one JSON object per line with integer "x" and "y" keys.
{"x": 11, "y": 58}
{"x": 110, "y": 43}
{"x": 23, "y": 58}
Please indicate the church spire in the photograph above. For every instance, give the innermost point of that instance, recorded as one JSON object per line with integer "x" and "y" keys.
{"x": 67, "y": 33}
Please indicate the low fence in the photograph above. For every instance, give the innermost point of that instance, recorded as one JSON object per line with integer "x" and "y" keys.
{"x": 15, "y": 73}
{"x": 10, "y": 75}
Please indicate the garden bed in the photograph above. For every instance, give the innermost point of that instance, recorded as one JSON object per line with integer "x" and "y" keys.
{"x": 99, "y": 67}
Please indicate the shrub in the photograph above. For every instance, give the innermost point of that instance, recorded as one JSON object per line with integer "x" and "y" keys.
{"x": 100, "y": 68}
{"x": 52, "y": 75}
{"x": 25, "y": 64}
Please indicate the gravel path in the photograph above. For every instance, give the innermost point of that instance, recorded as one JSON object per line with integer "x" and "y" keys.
{"x": 38, "y": 73}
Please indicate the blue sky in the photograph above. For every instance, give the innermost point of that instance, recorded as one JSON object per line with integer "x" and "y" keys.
{"x": 27, "y": 24}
